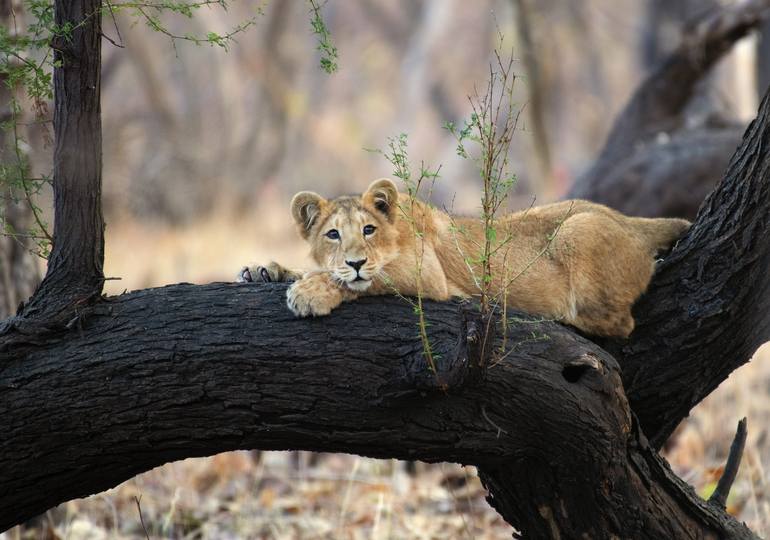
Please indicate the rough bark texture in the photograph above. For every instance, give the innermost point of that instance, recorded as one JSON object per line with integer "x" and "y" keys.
{"x": 75, "y": 265}
{"x": 706, "y": 314}
{"x": 658, "y": 121}
{"x": 132, "y": 382}
{"x": 137, "y": 385}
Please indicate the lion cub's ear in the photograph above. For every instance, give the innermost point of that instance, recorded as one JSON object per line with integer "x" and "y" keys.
{"x": 383, "y": 195}
{"x": 305, "y": 208}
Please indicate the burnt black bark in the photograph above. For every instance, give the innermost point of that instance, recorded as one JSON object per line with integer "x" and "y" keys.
{"x": 103, "y": 389}
{"x": 137, "y": 385}
{"x": 706, "y": 312}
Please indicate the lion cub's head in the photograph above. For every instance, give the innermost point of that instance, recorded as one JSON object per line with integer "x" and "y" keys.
{"x": 353, "y": 237}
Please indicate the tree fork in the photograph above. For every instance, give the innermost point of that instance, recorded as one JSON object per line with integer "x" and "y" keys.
{"x": 706, "y": 311}
{"x": 159, "y": 375}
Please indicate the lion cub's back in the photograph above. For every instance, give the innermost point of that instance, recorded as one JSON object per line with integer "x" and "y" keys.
{"x": 586, "y": 263}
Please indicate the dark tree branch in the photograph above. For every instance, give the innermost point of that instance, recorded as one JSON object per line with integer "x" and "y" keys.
{"x": 658, "y": 103}
{"x": 658, "y": 106}
{"x": 669, "y": 177}
{"x": 707, "y": 309}
{"x": 119, "y": 386}
{"x": 660, "y": 18}
{"x": 139, "y": 385}
{"x": 75, "y": 264}
{"x": 719, "y": 497}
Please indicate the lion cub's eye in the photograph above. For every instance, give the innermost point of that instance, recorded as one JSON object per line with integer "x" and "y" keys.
{"x": 369, "y": 229}
{"x": 333, "y": 234}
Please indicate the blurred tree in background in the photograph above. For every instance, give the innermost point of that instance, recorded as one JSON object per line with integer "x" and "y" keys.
{"x": 19, "y": 273}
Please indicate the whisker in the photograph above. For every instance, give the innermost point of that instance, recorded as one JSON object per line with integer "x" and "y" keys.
{"x": 383, "y": 275}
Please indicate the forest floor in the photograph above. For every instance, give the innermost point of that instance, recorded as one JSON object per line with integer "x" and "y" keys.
{"x": 281, "y": 495}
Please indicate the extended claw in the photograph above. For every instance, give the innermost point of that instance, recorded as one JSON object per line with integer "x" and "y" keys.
{"x": 244, "y": 276}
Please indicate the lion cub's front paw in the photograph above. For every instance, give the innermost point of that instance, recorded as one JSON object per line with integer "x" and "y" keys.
{"x": 313, "y": 295}
{"x": 273, "y": 272}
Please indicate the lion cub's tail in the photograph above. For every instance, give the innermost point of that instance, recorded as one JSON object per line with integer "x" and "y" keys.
{"x": 661, "y": 233}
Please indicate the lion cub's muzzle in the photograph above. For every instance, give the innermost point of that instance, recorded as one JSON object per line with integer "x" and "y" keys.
{"x": 357, "y": 274}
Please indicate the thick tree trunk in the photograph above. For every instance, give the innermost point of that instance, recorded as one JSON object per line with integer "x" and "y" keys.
{"x": 707, "y": 312}
{"x": 135, "y": 381}
{"x": 75, "y": 266}
{"x": 548, "y": 425}
{"x": 131, "y": 385}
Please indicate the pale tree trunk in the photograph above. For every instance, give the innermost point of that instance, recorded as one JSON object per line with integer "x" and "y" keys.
{"x": 763, "y": 59}
{"x": 19, "y": 274}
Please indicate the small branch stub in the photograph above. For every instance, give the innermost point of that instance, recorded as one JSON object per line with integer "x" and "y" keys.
{"x": 719, "y": 497}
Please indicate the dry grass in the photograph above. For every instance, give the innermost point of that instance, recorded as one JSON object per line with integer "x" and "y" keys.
{"x": 234, "y": 496}
{"x": 286, "y": 496}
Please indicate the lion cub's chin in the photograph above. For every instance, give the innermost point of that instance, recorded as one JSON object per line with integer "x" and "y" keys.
{"x": 360, "y": 285}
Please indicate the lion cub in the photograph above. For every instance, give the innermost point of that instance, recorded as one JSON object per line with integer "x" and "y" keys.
{"x": 574, "y": 261}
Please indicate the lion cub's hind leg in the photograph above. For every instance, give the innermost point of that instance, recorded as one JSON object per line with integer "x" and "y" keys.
{"x": 606, "y": 319}
{"x": 266, "y": 274}
{"x": 609, "y": 269}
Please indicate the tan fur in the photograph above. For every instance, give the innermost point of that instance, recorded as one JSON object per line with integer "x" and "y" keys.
{"x": 574, "y": 261}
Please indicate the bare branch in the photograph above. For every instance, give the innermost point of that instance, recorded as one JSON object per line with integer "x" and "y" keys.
{"x": 658, "y": 104}
{"x": 719, "y": 497}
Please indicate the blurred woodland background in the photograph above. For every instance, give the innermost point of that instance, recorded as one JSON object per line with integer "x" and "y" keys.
{"x": 204, "y": 148}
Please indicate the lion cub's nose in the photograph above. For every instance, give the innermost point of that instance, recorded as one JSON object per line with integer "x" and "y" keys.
{"x": 356, "y": 264}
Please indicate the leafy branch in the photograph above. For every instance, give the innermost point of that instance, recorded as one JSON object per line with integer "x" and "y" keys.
{"x": 493, "y": 122}
{"x": 414, "y": 213}
{"x": 151, "y": 13}
{"x": 325, "y": 46}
